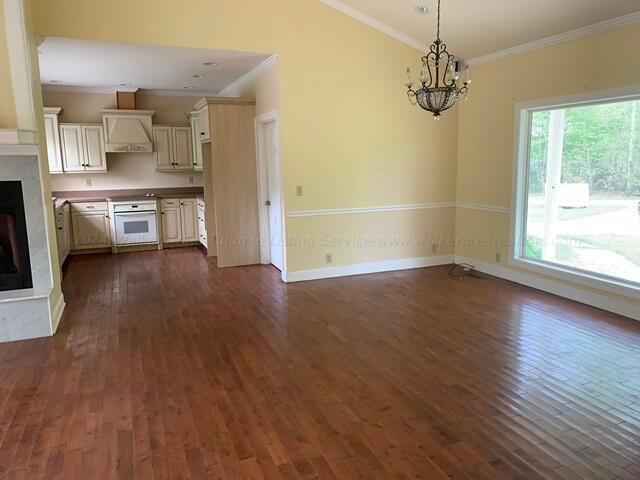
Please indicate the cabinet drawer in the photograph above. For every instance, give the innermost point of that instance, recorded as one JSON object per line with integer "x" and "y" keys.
{"x": 89, "y": 207}
{"x": 169, "y": 203}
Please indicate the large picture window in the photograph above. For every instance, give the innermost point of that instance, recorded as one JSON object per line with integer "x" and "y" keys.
{"x": 578, "y": 205}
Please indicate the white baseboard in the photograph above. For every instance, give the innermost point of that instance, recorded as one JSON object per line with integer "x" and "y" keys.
{"x": 556, "y": 287}
{"x": 56, "y": 313}
{"x": 364, "y": 268}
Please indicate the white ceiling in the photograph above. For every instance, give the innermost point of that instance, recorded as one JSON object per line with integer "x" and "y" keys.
{"x": 101, "y": 65}
{"x": 473, "y": 28}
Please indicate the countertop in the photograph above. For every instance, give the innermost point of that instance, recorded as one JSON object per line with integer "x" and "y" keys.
{"x": 61, "y": 198}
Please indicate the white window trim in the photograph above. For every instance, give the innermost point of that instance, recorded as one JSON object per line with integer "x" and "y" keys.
{"x": 523, "y": 112}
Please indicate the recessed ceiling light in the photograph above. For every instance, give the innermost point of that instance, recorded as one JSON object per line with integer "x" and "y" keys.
{"x": 198, "y": 76}
{"x": 56, "y": 81}
{"x": 211, "y": 64}
{"x": 422, "y": 9}
{"x": 187, "y": 88}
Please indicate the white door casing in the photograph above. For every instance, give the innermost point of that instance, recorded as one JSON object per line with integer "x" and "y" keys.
{"x": 270, "y": 191}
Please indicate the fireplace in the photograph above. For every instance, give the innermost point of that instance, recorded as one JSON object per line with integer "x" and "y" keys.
{"x": 15, "y": 267}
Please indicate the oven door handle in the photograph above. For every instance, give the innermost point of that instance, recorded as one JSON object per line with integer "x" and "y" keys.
{"x": 140, "y": 212}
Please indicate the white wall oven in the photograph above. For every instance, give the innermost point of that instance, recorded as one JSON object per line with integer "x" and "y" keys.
{"x": 135, "y": 223}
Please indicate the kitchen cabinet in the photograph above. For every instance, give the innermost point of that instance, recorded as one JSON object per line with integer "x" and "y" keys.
{"x": 52, "y": 137}
{"x": 194, "y": 117}
{"x": 231, "y": 181}
{"x": 91, "y": 227}
{"x": 202, "y": 229}
{"x": 173, "y": 147}
{"x": 203, "y": 121}
{"x": 179, "y": 220}
{"x": 63, "y": 232}
{"x": 82, "y": 148}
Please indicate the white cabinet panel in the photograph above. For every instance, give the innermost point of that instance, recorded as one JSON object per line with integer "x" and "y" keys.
{"x": 72, "y": 148}
{"x": 205, "y": 132}
{"x": 195, "y": 142}
{"x": 182, "y": 149}
{"x": 91, "y": 230}
{"x": 188, "y": 213}
{"x": 163, "y": 147}
{"x": 52, "y": 135}
{"x": 95, "y": 156}
{"x": 171, "y": 225}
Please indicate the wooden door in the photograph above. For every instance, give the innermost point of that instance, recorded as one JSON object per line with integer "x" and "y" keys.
{"x": 72, "y": 148}
{"x": 91, "y": 230}
{"x": 182, "y": 148}
{"x": 171, "y": 225}
{"x": 95, "y": 156}
{"x": 163, "y": 148}
{"x": 189, "y": 219}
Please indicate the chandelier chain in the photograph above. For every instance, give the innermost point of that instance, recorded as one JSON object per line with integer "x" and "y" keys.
{"x": 438, "y": 35}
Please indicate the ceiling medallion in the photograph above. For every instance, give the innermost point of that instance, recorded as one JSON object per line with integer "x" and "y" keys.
{"x": 439, "y": 77}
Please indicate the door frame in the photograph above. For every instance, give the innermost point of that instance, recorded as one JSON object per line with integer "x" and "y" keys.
{"x": 263, "y": 185}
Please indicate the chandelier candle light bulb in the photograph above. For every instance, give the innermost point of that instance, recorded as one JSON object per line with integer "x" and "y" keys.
{"x": 440, "y": 89}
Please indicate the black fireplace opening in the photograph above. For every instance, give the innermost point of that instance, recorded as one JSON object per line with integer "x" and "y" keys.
{"x": 15, "y": 267}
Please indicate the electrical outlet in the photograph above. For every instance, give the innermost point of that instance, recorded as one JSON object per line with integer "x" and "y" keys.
{"x": 299, "y": 191}
{"x": 498, "y": 257}
{"x": 434, "y": 248}
{"x": 88, "y": 182}
{"x": 190, "y": 179}
{"x": 328, "y": 258}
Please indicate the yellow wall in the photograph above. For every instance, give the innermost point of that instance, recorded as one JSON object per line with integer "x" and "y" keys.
{"x": 126, "y": 170}
{"x": 348, "y": 135}
{"x": 7, "y": 106}
{"x": 486, "y": 124}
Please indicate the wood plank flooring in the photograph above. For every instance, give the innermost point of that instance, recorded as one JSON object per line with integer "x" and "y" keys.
{"x": 167, "y": 368}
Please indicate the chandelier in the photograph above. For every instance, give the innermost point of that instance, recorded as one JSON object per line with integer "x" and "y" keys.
{"x": 439, "y": 77}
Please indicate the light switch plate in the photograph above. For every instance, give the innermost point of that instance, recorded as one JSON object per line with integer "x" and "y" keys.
{"x": 299, "y": 191}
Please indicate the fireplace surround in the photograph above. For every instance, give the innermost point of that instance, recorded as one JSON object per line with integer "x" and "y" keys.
{"x": 15, "y": 266}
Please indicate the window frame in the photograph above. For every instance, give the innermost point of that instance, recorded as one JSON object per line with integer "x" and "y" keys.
{"x": 520, "y": 190}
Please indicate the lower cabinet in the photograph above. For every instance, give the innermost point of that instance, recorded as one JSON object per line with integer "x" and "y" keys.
{"x": 91, "y": 227}
{"x": 63, "y": 232}
{"x": 179, "y": 220}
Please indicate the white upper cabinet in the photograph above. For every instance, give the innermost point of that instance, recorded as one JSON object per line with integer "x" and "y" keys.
{"x": 182, "y": 148}
{"x": 95, "y": 156}
{"x": 163, "y": 148}
{"x": 205, "y": 132}
{"x": 83, "y": 148}
{"x": 52, "y": 136}
{"x": 173, "y": 148}
{"x": 195, "y": 141}
{"x": 72, "y": 148}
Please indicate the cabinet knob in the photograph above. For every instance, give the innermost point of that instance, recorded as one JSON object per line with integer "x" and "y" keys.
{"x": 201, "y": 133}
{"x": 267, "y": 203}
{"x": 59, "y": 228}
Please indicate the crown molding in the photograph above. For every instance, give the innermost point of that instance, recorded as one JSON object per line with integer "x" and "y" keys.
{"x": 113, "y": 90}
{"x": 576, "y": 34}
{"x": 177, "y": 93}
{"x": 76, "y": 89}
{"x": 378, "y": 25}
{"x": 247, "y": 77}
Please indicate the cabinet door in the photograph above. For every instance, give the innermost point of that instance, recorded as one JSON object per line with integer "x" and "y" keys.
{"x": 60, "y": 234}
{"x": 95, "y": 156}
{"x": 72, "y": 148}
{"x": 171, "y": 225}
{"x": 189, "y": 217}
{"x": 163, "y": 148}
{"x": 52, "y": 135}
{"x": 91, "y": 230}
{"x": 182, "y": 149}
{"x": 66, "y": 230}
{"x": 195, "y": 144}
{"x": 205, "y": 132}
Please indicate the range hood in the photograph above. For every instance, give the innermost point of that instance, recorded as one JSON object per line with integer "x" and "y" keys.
{"x": 127, "y": 130}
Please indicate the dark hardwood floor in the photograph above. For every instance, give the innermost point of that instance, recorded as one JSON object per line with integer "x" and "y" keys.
{"x": 165, "y": 367}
